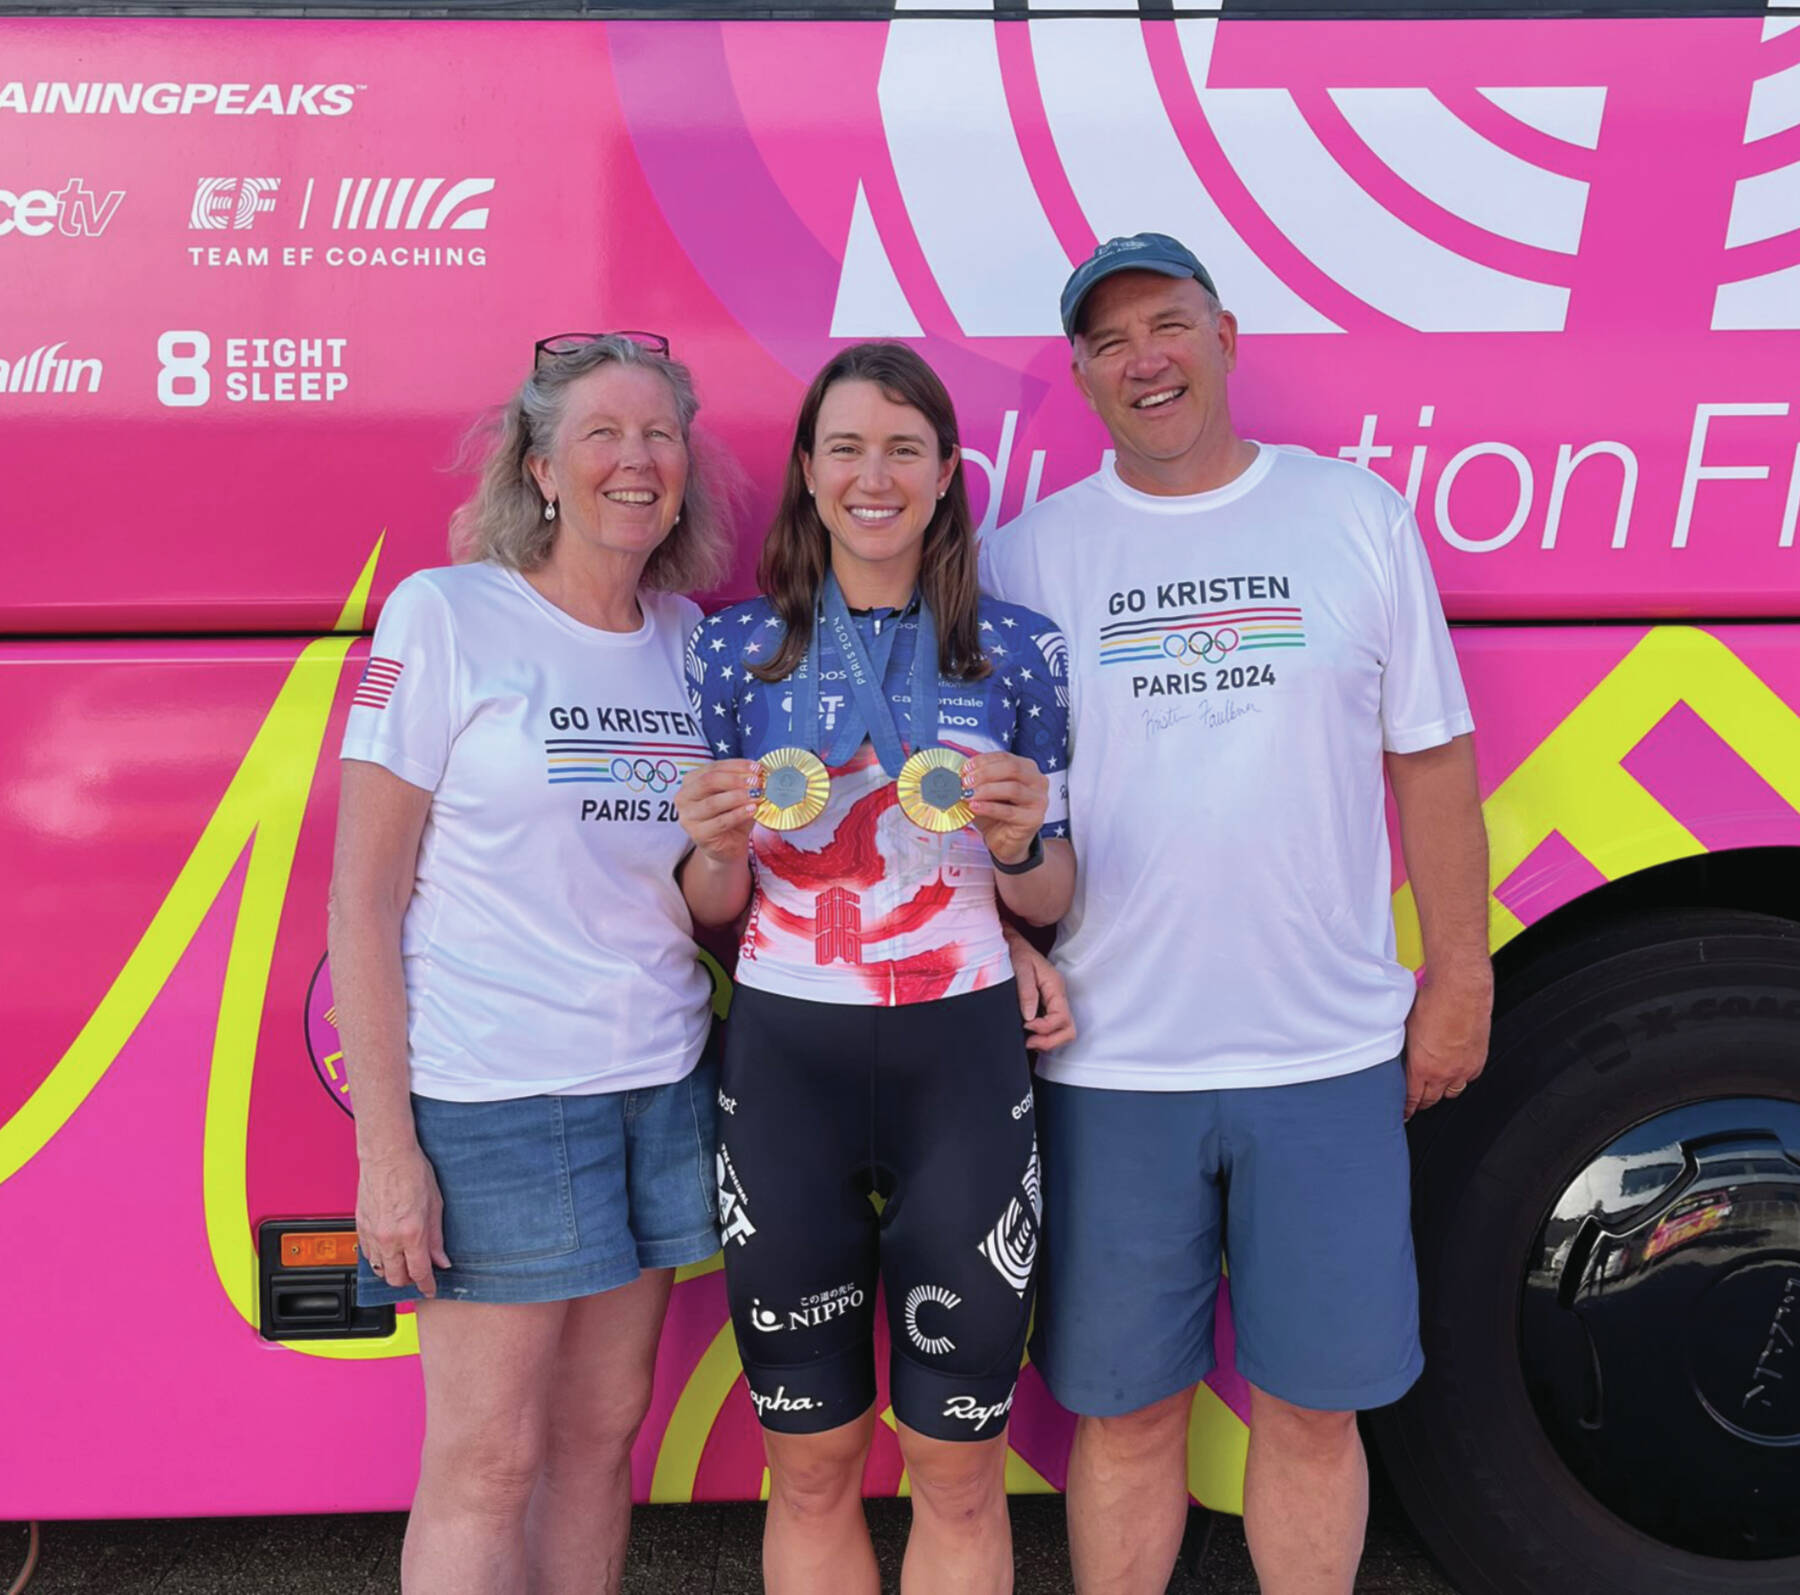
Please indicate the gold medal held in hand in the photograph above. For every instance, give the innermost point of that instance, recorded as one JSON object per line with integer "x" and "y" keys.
{"x": 932, "y": 792}
{"x": 794, "y": 787}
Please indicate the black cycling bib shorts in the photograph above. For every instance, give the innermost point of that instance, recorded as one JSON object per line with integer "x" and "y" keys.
{"x": 927, "y": 1106}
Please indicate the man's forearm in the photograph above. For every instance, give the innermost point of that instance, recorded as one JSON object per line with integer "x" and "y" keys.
{"x": 1444, "y": 843}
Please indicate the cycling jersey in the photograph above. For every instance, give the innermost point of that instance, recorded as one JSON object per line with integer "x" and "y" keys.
{"x": 862, "y": 906}
{"x": 928, "y": 1107}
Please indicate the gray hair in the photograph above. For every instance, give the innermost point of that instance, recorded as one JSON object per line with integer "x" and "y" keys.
{"x": 504, "y": 520}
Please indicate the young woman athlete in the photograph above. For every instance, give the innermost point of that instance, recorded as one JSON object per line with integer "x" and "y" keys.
{"x": 903, "y": 740}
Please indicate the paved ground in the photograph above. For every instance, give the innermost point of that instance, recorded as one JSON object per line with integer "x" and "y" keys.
{"x": 676, "y": 1550}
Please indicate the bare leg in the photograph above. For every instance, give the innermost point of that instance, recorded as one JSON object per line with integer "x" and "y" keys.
{"x": 1306, "y": 1498}
{"x": 486, "y": 1371}
{"x": 599, "y": 1392}
{"x": 1128, "y": 1498}
{"x": 961, "y": 1540}
{"x": 815, "y": 1538}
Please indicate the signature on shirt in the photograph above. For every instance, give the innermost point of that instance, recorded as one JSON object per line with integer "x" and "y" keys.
{"x": 1210, "y": 716}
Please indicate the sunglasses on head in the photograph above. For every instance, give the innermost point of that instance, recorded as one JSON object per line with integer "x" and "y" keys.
{"x": 566, "y": 343}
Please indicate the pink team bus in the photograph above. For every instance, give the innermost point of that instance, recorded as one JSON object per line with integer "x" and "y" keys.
{"x": 1542, "y": 274}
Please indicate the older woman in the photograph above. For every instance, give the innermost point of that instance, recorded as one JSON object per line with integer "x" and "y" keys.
{"x": 522, "y": 1009}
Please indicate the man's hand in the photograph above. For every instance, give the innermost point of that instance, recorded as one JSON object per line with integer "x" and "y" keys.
{"x": 1437, "y": 795}
{"x": 1447, "y": 1034}
{"x": 1043, "y": 996}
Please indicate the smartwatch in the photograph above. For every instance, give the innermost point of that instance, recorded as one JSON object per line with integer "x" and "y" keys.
{"x": 1025, "y": 865}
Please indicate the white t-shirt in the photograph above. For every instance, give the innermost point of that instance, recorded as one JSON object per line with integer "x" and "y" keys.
{"x": 547, "y": 948}
{"x": 1238, "y": 662}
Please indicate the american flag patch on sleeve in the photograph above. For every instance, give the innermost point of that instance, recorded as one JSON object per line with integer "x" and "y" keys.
{"x": 379, "y": 678}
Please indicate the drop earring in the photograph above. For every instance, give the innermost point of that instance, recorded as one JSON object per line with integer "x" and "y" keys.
{"x": 550, "y": 510}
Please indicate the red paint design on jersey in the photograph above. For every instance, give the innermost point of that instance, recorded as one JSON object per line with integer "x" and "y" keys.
{"x": 924, "y": 977}
{"x": 851, "y": 858}
{"x": 915, "y": 913}
{"x": 784, "y": 919}
{"x": 855, "y": 903}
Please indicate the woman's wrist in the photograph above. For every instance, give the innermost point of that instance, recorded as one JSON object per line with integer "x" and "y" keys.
{"x": 1015, "y": 858}
{"x": 376, "y": 1145}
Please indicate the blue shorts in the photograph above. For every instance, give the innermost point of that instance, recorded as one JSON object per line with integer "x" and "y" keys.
{"x": 1304, "y": 1188}
{"x": 551, "y": 1197}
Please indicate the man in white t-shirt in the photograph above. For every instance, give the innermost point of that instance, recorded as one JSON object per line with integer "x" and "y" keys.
{"x": 1254, "y": 640}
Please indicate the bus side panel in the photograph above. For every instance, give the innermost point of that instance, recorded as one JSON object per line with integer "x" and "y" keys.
{"x": 293, "y": 299}
{"x": 1541, "y": 284}
{"x": 127, "y": 1227}
{"x": 197, "y": 1090}
{"x": 189, "y": 1086}
{"x": 1608, "y": 750}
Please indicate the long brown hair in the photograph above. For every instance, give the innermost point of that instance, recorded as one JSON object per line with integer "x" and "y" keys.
{"x": 797, "y": 552}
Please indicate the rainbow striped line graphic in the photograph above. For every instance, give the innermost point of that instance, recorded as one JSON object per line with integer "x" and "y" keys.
{"x": 640, "y": 765}
{"x": 379, "y": 678}
{"x": 1204, "y": 637}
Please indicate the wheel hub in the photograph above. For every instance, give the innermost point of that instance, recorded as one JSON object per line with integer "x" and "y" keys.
{"x": 1746, "y": 1362}
{"x": 1660, "y": 1327}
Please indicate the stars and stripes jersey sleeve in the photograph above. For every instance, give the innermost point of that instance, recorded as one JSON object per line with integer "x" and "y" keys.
{"x": 1032, "y": 663}
{"x": 715, "y": 674}
{"x": 403, "y": 713}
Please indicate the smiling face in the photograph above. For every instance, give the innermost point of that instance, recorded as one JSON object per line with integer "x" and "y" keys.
{"x": 1152, "y": 360}
{"x": 875, "y": 473}
{"x": 617, "y": 468}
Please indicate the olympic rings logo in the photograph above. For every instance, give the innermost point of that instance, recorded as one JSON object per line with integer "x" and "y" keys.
{"x": 1201, "y": 647}
{"x": 645, "y": 775}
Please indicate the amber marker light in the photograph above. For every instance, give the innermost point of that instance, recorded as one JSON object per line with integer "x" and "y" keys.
{"x": 319, "y": 1249}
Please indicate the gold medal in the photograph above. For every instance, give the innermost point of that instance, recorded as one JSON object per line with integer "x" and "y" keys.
{"x": 932, "y": 794}
{"x": 793, "y": 789}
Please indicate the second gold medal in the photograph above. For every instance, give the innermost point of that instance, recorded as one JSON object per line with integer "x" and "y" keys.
{"x": 931, "y": 790}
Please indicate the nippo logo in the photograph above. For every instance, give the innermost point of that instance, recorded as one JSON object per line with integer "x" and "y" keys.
{"x": 75, "y": 211}
{"x": 45, "y": 370}
{"x": 231, "y": 202}
{"x": 407, "y": 204}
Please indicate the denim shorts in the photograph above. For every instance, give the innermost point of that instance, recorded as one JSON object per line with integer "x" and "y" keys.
{"x": 552, "y": 1197}
{"x": 1305, "y": 1190}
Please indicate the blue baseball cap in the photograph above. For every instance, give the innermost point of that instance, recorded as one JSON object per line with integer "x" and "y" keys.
{"x": 1156, "y": 252}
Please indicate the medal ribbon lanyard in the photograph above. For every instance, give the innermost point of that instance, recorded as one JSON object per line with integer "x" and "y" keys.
{"x": 869, "y": 713}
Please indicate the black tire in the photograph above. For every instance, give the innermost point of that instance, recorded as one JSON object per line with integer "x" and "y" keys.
{"x": 1574, "y": 1065}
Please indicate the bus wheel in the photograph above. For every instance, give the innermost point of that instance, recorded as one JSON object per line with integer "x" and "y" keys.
{"x": 1608, "y": 1232}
